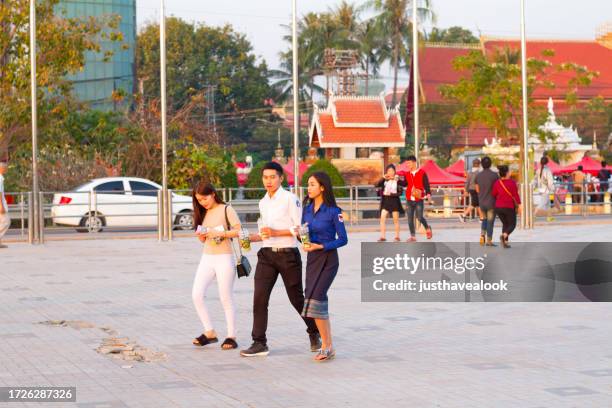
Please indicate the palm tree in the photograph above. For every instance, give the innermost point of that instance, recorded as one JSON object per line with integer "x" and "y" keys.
{"x": 373, "y": 48}
{"x": 394, "y": 21}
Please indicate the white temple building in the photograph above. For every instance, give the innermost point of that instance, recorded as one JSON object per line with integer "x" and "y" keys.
{"x": 559, "y": 138}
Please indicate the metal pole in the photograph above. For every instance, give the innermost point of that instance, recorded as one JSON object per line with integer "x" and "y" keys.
{"x": 35, "y": 195}
{"x": 170, "y": 215}
{"x": 526, "y": 219}
{"x": 30, "y": 219}
{"x": 41, "y": 221}
{"x": 162, "y": 46}
{"x": 415, "y": 73}
{"x": 160, "y": 216}
{"x": 296, "y": 118}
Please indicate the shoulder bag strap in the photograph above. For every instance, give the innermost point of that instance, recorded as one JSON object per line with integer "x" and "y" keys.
{"x": 507, "y": 191}
{"x": 229, "y": 227}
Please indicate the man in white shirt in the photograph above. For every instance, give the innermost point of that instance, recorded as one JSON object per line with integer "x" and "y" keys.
{"x": 5, "y": 221}
{"x": 280, "y": 211}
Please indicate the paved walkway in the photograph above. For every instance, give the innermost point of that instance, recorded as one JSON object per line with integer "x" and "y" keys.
{"x": 137, "y": 293}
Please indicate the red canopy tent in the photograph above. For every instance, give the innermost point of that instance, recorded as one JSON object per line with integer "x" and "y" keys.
{"x": 436, "y": 175}
{"x": 588, "y": 164}
{"x": 554, "y": 167}
{"x": 288, "y": 169}
{"x": 457, "y": 168}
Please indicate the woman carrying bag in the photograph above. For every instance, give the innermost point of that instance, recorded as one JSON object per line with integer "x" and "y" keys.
{"x": 507, "y": 203}
{"x": 390, "y": 188}
{"x": 216, "y": 224}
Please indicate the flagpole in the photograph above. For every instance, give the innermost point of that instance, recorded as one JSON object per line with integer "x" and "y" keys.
{"x": 526, "y": 220}
{"x": 296, "y": 114}
{"x": 166, "y": 223}
{"x": 415, "y": 79}
{"x": 36, "y": 225}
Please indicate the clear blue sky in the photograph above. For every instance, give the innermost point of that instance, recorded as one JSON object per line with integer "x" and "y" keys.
{"x": 261, "y": 20}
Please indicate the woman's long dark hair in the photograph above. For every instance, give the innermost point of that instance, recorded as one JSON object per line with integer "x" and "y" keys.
{"x": 543, "y": 162}
{"x": 202, "y": 188}
{"x": 328, "y": 192}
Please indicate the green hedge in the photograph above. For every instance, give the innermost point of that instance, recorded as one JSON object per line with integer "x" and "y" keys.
{"x": 334, "y": 174}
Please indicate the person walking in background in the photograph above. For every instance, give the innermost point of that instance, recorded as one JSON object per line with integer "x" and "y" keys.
{"x": 5, "y": 220}
{"x": 417, "y": 189}
{"x": 604, "y": 179}
{"x": 211, "y": 218}
{"x": 280, "y": 212}
{"x": 545, "y": 183}
{"x": 326, "y": 234}
{"x": 578, "y": 184}
{"x": 470, "y": 191}
{"x": 390, "y": 202}
{"x": 486, "y": 201}
{"x": 507, "y": 203}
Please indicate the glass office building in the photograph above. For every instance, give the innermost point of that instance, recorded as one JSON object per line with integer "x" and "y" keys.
{"x": 96, "y": 83}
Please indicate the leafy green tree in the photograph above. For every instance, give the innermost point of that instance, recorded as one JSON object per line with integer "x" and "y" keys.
{"x": 394, "y": 20}
{"x": 490, "y": 94}
{"x": 191, "y": 163}
{"x": 199, "y": 55}
{"x": 332, "y": 171}
{"x": 452, "y": 35}
{"x": 61, "y": 46}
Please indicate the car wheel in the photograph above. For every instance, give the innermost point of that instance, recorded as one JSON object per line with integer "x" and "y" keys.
{"x": 91, "y": 223}
{"x": 184, "y": 221}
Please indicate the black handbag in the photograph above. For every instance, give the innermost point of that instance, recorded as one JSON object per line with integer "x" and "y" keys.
{"x": 243, "y": 266}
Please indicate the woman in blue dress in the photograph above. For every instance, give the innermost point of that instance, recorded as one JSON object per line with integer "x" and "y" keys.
{"x": 327, "y": 233}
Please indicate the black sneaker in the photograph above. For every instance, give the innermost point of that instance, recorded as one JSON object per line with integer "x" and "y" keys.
{"x": 256, "y": 349}
{"x": 315, "y": 342}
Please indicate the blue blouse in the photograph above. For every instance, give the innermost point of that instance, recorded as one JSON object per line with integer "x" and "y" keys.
{"x": 325, "y": 225}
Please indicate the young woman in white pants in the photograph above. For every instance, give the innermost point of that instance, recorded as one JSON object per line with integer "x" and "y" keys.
{"x": 220, "y": 224}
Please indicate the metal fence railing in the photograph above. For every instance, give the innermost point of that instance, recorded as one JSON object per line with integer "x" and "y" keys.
{"x": 94, "y": 212}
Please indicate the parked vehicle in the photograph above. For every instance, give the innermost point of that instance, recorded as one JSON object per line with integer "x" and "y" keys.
{"x": 117, "y": 202}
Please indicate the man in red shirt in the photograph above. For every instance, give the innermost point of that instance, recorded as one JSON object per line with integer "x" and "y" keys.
{"x": 417, "y": 189}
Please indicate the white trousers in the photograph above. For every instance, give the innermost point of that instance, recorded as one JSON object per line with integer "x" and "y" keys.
{"x": 5, "y": 223}
{"x": 223, "y": 268}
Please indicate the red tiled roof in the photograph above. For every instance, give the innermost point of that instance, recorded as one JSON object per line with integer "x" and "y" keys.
{"x": 349, "y": 135}
{"x": 359, "y": 111}
{"x": 436, "y": 68}
{"x": 591, "y": 54}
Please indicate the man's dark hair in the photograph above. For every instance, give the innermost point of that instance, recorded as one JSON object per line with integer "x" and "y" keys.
{"x": 604, "y": 164}
{"x": 503, "y": 170}
{"x": 486, "y": 162}
{"x": 273, "y": 166}
{"x": 412, "y": 157}
{"x": 580, "y": 168}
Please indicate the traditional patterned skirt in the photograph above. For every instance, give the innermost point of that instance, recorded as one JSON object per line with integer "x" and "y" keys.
{"x": 321, "y": 269}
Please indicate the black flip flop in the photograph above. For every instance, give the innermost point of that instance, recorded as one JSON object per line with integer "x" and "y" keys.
{"x": 203, "y": 340}
{"x": 231, "y": 342}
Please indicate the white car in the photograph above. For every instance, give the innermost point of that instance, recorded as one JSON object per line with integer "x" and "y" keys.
{"x": 116, "y": 202}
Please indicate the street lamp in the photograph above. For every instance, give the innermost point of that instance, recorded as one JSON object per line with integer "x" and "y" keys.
{"x": 166, "y": 219}
{"x": 415, "y": 79}
{"x": 296, "y": 116}
{"x": 36, "y": 224}
{"x": 526, "y": 218}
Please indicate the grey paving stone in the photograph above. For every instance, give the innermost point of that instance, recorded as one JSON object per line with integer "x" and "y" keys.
{"x": 486, "y": 323}
{"x": 168, "y": 307}
{"x": 389, "y": 358}
{"x": 570, "y": 391}
{"x": 102, "y": 404}
{"x": 170, "y": 385}
{"x": 576, "y": 327}
{"x": 598, "y": 373}
{"x": 16, "y": 335}
{"x": 401, "y": 318}
{"x": 365, "y": 328}
{"x": 33, "y": 299}
{"x": 97, "y": 302}
{"x": 229, "y": 367}
{"x": 489, "y": 366}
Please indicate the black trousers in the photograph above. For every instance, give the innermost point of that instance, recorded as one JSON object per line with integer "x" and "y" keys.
{"x": 269, "y": 265}
{"x": 508, "y": 219}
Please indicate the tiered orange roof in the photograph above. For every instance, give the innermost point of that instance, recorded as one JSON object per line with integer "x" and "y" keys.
{"x": 358, "y": 121}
